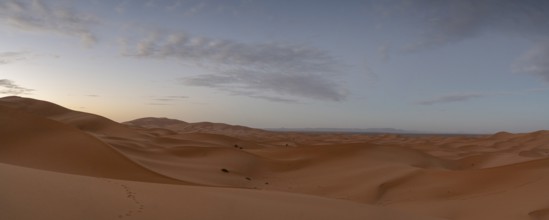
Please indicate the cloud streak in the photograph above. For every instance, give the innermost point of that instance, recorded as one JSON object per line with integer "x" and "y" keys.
{"x": 10, "y": 57}
{"x": 444, "y": 22}
{"x": 535, "y": 61}
{"x": 384, "y": 52}
{"x": 166, "y": 100}
{"x": 270, "y": 98}
{"x": 463, "y": 97}
{"x": 451, "y": 98}
{"x": 448, "y": 21}
{"x": 9, "y": 87}
{"x": 300, "y": 85}
{"x": 267, "y": 68}
{"x": 37, "y": 16}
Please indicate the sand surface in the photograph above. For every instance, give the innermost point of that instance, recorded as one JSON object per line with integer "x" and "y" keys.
{"x": 56, "y": 163}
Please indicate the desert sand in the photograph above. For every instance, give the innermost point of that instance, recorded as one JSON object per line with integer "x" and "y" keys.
{"x": 57, "y": 163}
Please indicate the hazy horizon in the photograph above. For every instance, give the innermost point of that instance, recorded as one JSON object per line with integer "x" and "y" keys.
{"x": 446, "y": 66}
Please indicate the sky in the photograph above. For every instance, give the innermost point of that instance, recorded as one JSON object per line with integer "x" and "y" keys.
{"x": 467, "y": 66}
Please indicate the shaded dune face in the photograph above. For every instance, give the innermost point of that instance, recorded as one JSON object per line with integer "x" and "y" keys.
{"x": 38, "y": 142}
{"x": 447, "y": 177}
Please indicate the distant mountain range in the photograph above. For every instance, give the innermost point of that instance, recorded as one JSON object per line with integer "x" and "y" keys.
{"x": 179, "y": 125}
{"x": 183, "y": 126}
{"x": 347, "y": 130}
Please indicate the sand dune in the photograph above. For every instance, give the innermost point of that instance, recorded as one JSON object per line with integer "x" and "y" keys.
{"x": 158, "y": 168}
{"x": 63, "y": 196}
{"x": 38, "y": 142}
{"x": 185, "y": 127}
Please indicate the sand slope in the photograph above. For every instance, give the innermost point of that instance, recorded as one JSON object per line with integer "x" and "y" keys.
{"x": 248, "y": 173}
{"x": 38, "y": 142}
{"x": 63, "y": 196}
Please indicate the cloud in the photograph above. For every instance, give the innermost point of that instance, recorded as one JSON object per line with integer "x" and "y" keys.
{"x": 177, "y": 96}
{"x": 10, "y": 57}
{"x": 182, "y": 7}
{"x": 383, "y": 52}
{"x": 299, "y": 85}
{"x": 163, "y": 99}
{"x": 274, "y": 99}
{"x": 159, "y": 104}
{"x": 450, "y": 98}
{"x": 37, "y": 16}
{"x": 536, "y": 90}
{"x": 447, "y": 21}
{"x": 8, "y": 87}
{"x": 121, "y": 7}
{"x": 168, "y": 99}
{"x": 535, "y": 61}
{"x": 253, "y": 94}
{"x": 473, "y": 95}
{"x": 283, "y": 69}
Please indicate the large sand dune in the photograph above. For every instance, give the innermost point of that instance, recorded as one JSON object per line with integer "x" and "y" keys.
{"x": 56, "y": 163}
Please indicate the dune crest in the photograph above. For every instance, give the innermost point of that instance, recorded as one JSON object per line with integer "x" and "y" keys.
{"x": 249, "y": 173}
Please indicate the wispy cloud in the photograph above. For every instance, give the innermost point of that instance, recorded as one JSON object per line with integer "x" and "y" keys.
{"x": 177, "y": 97}
{"x": 166, "y": 100}
{"x": 9, "y": 87}
{"x": 383, "y": 52}
{"x": 463, "y": 97}
{"x": 162, "y": 99}
{"x": 10, "y": 57}
{"x": 447, "y": 21}
{"x": 283, "y": 69}
{"x": 159, "y": 104}
{"x": 184, "y": 7}
{"x": 244, "y": 81}
{"x": 274, "y": 99}
{"x": 535, "y": 61}
{"x": 450, "y": 98}
{"x": 38, "y": 16}
{"x": 270, "y": 98}
{"x": 170, "y": 98}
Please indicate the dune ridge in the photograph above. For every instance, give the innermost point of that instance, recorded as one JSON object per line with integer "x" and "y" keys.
{"x": 348, "y": 176}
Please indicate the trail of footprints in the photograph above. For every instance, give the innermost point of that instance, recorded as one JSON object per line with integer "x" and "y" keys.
{"x": 131, "y": 196}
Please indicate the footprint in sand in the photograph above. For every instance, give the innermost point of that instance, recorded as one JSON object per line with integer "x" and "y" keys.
{"x": 131, "y": 196}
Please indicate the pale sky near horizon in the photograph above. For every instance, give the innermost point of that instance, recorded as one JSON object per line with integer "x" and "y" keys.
{"x": 473, "y": 66}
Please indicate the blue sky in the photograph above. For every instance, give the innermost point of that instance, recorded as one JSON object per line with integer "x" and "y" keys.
{"x": 438, "y": 66}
